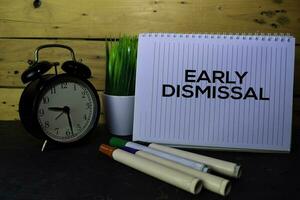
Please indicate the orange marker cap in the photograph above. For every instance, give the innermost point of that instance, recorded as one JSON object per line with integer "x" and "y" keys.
{"x": 106, "y": 149}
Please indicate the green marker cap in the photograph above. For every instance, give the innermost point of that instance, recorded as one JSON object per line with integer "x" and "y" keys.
{"x": 117, "y": 142}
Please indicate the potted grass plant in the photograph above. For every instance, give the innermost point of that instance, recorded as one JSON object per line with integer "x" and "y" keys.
{"x": 118, "y": 97}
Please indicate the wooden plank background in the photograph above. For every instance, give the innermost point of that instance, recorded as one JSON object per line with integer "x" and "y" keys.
{"x": 84, "y": 25}
{"x": 14, "y": 54}
{"x": 99, "y": 19}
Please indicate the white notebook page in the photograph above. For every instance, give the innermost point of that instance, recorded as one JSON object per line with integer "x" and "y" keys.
{"x": 217, "y": 62}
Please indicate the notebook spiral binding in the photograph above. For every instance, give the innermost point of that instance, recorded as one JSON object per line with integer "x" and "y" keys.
{"x": 281, "y": 37}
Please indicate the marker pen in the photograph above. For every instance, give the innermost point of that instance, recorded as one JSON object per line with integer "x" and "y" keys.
{"x": 174, "y": 177}
{"x": 117, "y": 142}
{"x": 210, "y": 182}
{"x": 221, "y": 166}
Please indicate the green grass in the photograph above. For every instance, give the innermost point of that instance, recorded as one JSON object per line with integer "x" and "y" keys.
{"x": 121, "y": 66}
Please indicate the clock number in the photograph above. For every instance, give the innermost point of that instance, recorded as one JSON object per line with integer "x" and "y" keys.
{"x": 41, "y": 112}
{"x": 47, "y": 124}
{"x": 85, "y": 117}
{"x": 52, "y": 90}
{"x": 45, "y": 100}
{"x": 56, "y": 131}
{"x": 68, "y": 133}
{"x": 84, "y": 92}
{"x": 75, "y": 88}
{"x": 88, "y": 105}
{"x": 78, "y": 127}
{"x": 64, "y": 85}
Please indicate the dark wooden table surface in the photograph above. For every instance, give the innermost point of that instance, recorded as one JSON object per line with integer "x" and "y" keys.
{"x": 80, "y": 172}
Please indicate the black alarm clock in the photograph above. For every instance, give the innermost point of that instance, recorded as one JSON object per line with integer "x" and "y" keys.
{"x": 62, "y": 108}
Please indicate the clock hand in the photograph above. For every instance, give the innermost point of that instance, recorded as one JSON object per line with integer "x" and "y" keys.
{"x": 59, "y": 115}
{"x": 56, "y": 108}
{"x": 63, "y": 110}
{"x": 66, "y": 110}
{"x": 70, "y": 123}
{"x": 69, "y": 119}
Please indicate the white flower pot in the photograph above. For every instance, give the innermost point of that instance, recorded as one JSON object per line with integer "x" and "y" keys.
{"x": 118, "y": 112}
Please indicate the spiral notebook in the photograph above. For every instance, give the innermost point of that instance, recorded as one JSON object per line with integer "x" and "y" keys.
{"x": 215, "y": 91}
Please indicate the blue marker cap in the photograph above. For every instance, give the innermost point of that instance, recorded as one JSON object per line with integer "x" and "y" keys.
{"x": 129, "y": 149}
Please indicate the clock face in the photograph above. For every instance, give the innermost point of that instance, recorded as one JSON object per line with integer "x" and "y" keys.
{"x": 67, "y": 110}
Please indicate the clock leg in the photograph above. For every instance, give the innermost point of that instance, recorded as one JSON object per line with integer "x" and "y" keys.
{"x": 44, "y": 145}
